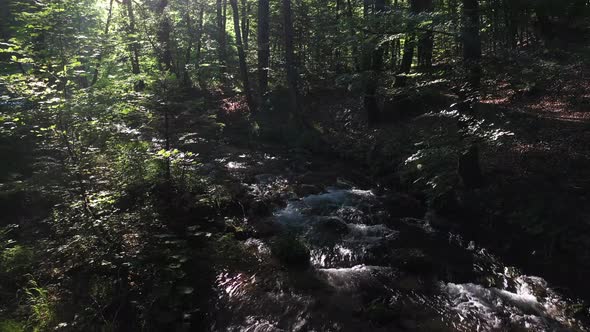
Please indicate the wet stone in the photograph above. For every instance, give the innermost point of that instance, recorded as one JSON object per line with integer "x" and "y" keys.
{"x": 333, "y": 225}
{"x": 259, "y": 208}
{"x": 307, "y": 189}
{"x": 401, "y": 205}
{"x": 265, "y": 228}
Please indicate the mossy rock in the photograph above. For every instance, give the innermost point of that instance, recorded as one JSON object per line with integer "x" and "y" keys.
{"x": 291, "y": 251}
{"x": 380, "y": 313}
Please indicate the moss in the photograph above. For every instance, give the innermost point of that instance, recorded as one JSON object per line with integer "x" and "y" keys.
{"x": 10, "y": 325}
{"x": 230, "y": 252}
{"x": 291, "y": 251}
{"x": 379, "y": 313}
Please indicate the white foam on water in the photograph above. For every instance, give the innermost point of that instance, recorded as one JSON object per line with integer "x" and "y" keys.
{"x": 492, "y": 308}
{"x": 339, "y": 254}
{"x": 474, "y": 302}
{"x": 235, "y": 165}
{"x": 256, "y": 324}
{"x": 290, "y": 214}
{"x": 371, "y": 232}
{"x": 353, "y": 278}
{"x": 336, "y": 196}
{"x": 261, "y": 249}
{"x": 296, "y": 211}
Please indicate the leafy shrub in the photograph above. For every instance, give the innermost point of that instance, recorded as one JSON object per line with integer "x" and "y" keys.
{"x": 42, "y": 315}
{"x": 10, "y": 325}
{"x": 134, "y": 164}
{"x": 16, "y": 260}
{"x": 431, "y": 169}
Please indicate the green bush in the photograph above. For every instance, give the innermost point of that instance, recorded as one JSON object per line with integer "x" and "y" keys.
{"x": 10, "y": 325}
{"x": 42, "y": 315}
{"x": 16, "y": 260}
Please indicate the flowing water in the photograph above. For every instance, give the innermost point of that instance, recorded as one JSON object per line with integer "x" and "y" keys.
{"x": 372, "y": 272}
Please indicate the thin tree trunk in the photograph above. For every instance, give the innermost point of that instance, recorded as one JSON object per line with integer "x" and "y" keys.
{"x": 426, "y": 40}
{"x": 395, "y": 44}
{"x": 354, "y": 48}
{"x": 189, "y": 48}
{"x": 134, "y": 46}
{"x": 292, "y": 75}
{"x": 408, "y": 56}
{"x": 336, "y": 62}
{"x": 164, "y": 37}
{"x": 199, "y": 46}
{"x": 374, "y": 54}
{"x": 409, "y": 43}
{"x": 263, "y": 48}
{"x": 242, "y": 56}
{"x": 106, "y": 35}
{"x": 221, "y": 4}
{"x": 245, "y": 23}
{"x": 200, "y": 34}
{"x": 472, "y": 42}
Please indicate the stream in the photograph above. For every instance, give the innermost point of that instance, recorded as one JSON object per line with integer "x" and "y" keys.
{"x": 370, "y": 271}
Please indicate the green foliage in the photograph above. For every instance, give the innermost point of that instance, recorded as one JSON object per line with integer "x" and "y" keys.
{"x": 10, "y": 325}
{"x": 432, "y": 169}
{"x": 232, "y": 253}
{"x": 135, "y": 165}
{"x": 43, "y": 313}
{"x": 16, "y": 260}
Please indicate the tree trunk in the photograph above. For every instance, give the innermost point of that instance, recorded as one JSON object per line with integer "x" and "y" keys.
{"x": 395, "y": 44}
{"x": 242, "y": 56}
{"x": 511, "y": 23}
{"x": 263, "y": 48}
{"x": 134, "y": 46}
{"x": 199, "y": 46}
{"x": 199, "y": 34}
{"x": 408, "y": 56}
{"x": 106, "y": 35}
{"x": 245, "y": 23}
{"x": 426, "y": 40}
{"x": 292, "y": 75}
{"x": 336, "y": 60}
{"x": 186, "y": 79}
{"x": 163, "y": 37}
{"x": 354, "y": 48}
{"x": 374, "y": 63}
{"x": 221, "y": 40}
{"x": 471, "y": 42}
{"x": 410, "y": 42}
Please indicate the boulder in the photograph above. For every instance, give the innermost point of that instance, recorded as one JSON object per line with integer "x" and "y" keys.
{"x": 265, "y": 228}
{"x": 332, "y": 225}
{"x": 259, "y": 208}
{"x": 307, "y": 189}
{"x": 290, "y": 251}
{"x": 401, "y": 205}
